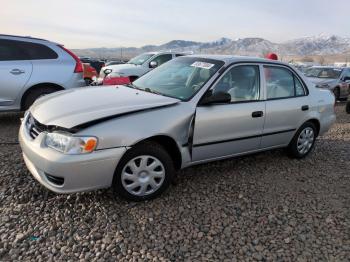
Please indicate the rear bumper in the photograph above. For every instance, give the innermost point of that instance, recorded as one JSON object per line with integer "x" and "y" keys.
{"x": 77, "y": 80}
{"x": 78, "y": 172}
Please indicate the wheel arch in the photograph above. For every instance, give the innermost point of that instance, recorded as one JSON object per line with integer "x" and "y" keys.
{"x": 316, "y": 122}
{"x": 169, "y": 145}
{"x": 50, "y": 85}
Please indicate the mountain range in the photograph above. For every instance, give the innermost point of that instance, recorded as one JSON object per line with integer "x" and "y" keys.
{"x": 321, "y": 45}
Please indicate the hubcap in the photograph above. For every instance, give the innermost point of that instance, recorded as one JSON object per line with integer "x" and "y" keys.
{"x": 305, "y": 140}
{"x": 143, "y": 175}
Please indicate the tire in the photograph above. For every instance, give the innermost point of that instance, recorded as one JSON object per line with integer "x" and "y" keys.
{"x": 88, "y": 81}
{"x": 35, "y": 94}
{"x": 306, "y": 130}
{"x": 336, "y": 93}
{"x": 347, "y": 108}
{"x": 144, "y": 184}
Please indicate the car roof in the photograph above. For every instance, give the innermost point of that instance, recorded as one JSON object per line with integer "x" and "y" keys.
{"x": 228, "y": 59}
{"x": 25, "y": 38}
{"x": 166, "y": 52}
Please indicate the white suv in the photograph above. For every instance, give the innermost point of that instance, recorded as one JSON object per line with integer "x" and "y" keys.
{"x": 32, "y": 67}
{"x": 139, "y": 65}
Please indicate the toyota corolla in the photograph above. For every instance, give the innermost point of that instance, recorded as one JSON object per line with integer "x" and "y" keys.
{"x": 191, "y": 110}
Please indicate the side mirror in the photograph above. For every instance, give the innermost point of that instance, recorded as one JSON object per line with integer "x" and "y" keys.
{"x": 153, "y": 64}
{"x": 216, "y": 98}
{"x": 107, "y": 71}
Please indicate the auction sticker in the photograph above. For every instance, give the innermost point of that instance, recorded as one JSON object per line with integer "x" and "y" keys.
{"x": 202, "y": 65}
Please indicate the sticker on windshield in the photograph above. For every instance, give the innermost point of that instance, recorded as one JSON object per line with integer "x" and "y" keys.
{"x": 202, "y": 65}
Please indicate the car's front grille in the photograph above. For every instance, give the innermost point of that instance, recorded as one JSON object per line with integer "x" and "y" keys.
{"x": 34, "y": 128}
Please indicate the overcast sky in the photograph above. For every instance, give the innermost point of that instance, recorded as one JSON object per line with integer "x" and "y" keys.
{"x": 114, "y": 23}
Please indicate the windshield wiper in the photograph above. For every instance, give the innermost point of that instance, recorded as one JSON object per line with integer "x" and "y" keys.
{"x": 152, "y": 91}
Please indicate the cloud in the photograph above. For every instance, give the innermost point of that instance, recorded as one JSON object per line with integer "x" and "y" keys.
{"x": 112, "y": 23}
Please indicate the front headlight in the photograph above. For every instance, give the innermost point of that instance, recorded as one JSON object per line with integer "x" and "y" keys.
{"x": 70, "y": 145}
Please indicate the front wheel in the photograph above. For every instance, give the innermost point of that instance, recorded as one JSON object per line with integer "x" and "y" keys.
{"x": 35, "y": 94}
{"x": 303, "y": 141}
{"x": 348, "y": 106}
{"x": 336, "y": 93}
{"x": 144, "y": 172}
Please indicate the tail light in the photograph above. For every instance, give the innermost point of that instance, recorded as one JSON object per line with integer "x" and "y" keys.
{"x": 78, "y": 64}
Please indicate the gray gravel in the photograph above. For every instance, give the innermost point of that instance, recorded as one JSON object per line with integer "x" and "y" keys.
{"x": 262, "y": 207}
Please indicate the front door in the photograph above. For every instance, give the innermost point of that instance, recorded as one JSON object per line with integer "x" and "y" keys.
{"x": 223, "y": 130}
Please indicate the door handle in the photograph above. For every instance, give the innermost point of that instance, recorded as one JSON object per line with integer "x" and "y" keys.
{"x": 257, "y": 114}
{"x": 17, "y": 71}
{"x": 305, "y": 108}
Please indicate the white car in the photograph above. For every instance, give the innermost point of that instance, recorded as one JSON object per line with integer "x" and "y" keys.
{"x": 191, "y": 110}
{"x": 32, "y": 67}
{"x": 139, "y": 65}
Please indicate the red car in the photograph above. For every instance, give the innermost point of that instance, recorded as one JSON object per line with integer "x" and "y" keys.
{"x": 90, "y": 73}
{"x": 115, "y": 79}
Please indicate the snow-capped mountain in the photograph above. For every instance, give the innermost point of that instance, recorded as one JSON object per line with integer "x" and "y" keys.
{"x": 315, "y": 45}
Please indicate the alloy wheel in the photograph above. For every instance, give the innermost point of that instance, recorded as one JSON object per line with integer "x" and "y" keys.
{"x": 305, "y": 140}
{"x": 143, "y": 175}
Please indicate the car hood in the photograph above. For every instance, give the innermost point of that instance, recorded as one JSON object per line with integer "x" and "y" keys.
{"x": 320, "y": 81}
{"x": 121, "y": 67}
{"x": 79, "y": 106}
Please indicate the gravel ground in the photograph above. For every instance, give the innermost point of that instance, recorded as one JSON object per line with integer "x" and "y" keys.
{"x": 263, "y": 207}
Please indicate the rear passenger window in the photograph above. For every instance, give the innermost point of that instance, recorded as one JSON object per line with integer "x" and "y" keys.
{"x": 37, "y": 51}
{"x": 281, "y": 83}
{"x": 19, "y": 50}
{"x": 10, "y": 52}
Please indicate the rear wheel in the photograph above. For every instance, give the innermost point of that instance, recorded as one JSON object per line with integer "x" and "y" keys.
{"x": 34, "y": 94}
{"x": 303, "y": 141}
{"x": 336, "y": 93}
{"x": 348, "y": 106}
{"x": 143, "y": 173}
{"x": 88, "y": 81}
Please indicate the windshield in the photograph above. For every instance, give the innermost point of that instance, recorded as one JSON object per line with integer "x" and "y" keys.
{"x": 140, "y": 59}
{"x": 325, "y": 72}
{"x": 180, "y": 78}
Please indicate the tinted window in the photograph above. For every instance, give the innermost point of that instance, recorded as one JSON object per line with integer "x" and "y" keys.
{"x": 10, "y": 51}
{"x": 281, "y": 83}
{"x": 241, "y": 82}
{"x": 161, "y": 59}
{"x": 18, "y": 50}
{"x": 177, "y": 55}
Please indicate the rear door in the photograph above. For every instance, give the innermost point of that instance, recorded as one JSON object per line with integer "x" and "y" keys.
{"x": 223, "y": 130}
{"x": 15, "y": 71}
{"x": 287, "y": 105}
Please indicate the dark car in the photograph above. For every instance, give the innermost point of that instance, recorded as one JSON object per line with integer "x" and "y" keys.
{"x": 97, "y": 64}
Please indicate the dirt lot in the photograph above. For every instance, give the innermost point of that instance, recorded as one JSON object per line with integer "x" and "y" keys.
{"x": 262, "y": 207}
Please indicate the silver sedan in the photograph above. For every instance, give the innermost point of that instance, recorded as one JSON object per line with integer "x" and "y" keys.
{"x": 191, "y": 110}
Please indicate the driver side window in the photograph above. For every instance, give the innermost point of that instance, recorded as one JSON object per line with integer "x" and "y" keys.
{"x": 241, "y": 82}
{"x": 161, "y": 59}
